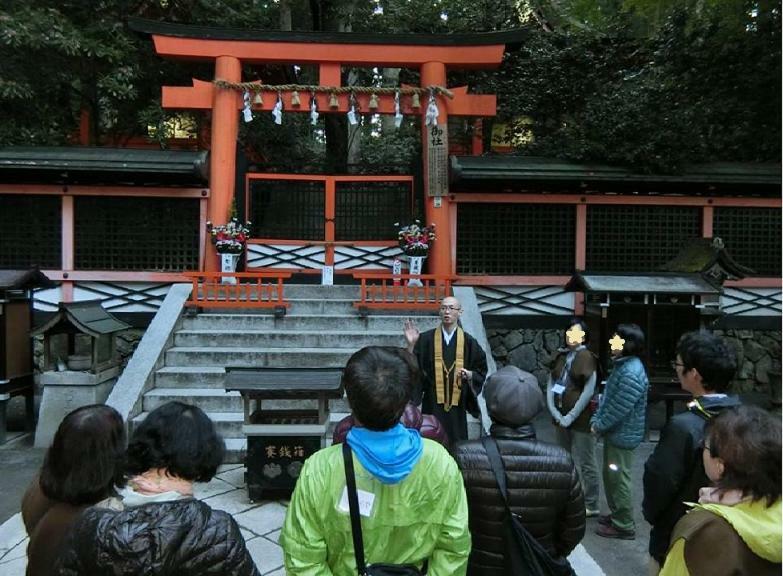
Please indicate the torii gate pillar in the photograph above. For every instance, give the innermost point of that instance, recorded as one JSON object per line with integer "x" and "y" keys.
{"x": 222, "y": 164}
{"x": 434, "y": 74}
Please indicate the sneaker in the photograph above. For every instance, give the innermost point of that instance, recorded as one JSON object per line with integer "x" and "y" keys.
{"x": 592, "y": 513}
{"x": 611, "y": 531}
{"x": 605, "y": 520}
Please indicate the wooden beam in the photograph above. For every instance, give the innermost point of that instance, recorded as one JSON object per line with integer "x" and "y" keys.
{"x": 200, "y": 96}
{"x": 304, "y": 53}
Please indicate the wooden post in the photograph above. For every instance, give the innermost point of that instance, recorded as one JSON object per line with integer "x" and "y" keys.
{"x": 222, "y": 164}
{"x": 436, "y": 209}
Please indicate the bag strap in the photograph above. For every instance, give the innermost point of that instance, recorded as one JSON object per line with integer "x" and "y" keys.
{"x": 490, "y": 445}
{"x": 353, "y": 507}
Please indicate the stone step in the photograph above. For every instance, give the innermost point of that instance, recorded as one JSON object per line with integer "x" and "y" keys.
{"x": 190, "y": 377}
{"x": 319, "y": 291}
{"x": 287, "y": 339}
{"x": 241, "y": 322}
{"x": 221, "y": 401}
{"x": 208, "y": 399}
{"x": 259, "y": 357}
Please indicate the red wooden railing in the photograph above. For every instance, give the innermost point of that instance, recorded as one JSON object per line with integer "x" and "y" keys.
{"x": 252, "y": 290}
{"x": 383, "y": 291}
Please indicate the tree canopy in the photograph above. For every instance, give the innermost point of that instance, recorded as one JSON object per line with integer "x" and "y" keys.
{"x": 652, "y": 84}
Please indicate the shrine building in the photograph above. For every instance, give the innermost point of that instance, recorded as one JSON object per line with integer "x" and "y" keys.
{"x": 540, "y": 240}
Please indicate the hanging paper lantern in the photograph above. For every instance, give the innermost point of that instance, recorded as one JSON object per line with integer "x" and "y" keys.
{"x": 333, "y": 100}
{"x": 415, "y": 100}
{"x": 295, "y": 98}
{"x": 373, "y": 105}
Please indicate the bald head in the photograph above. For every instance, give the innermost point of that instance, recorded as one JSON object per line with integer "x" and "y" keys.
{"x": 450, "y": 312}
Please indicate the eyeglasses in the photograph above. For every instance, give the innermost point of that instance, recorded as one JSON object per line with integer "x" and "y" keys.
{"x": 450, "y": 308}
{"x": 676, "y": 365}
{"x": 708, "y": 448}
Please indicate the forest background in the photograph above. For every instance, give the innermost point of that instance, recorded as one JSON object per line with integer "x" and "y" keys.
{"x": 652, "y": 85}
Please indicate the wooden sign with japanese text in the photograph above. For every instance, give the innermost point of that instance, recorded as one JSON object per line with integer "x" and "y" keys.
{"x": 437, "y": 160}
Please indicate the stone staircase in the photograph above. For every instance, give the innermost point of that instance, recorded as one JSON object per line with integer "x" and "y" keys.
{"x": 320, "y": 330}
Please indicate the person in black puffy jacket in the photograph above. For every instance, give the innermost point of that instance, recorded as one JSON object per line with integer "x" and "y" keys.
{"x": 542, "y": 481}
{"x": 163, "y": 530}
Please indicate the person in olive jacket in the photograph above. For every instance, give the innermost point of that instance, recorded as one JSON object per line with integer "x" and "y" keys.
{"x": 542, "y": 482}
{"x": 620, "y": 421}
{"x": 163, "y": 529}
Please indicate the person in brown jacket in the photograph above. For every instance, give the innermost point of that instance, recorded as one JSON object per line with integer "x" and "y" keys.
{"x": 542, "y": 483}
{"x": 571, "y": 388}
{"x": 82, "y": 467}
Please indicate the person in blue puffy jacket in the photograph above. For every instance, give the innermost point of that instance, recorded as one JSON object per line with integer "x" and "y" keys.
{"x": 620, "y": 421}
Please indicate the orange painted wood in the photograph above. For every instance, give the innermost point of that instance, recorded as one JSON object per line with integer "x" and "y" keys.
{"x": 222, "y": 157}
{"x": 512, "y": 280}
{"x": 303, "y": 53}
{"x": 493, "y": 198}
{"x": 707, "y": 217}
{"x": 200, "y": 97}
{"x": 439, "y": 261}
{"x": 581, "y": 237}
{"x": 97, "y": 190}
{"x": 329, "y": 212}
{"x": 114, "y": 276}
{"x": 322, "y": 242}
{"x": 321, "y": 177}
{"x": 260, "y": 290}
{"x": 67, "y": 241}
{"x": 385, "y": 291}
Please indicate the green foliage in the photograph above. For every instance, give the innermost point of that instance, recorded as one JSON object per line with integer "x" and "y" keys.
{"x": 653, "y": 84}
{"x": 702, "y": 86}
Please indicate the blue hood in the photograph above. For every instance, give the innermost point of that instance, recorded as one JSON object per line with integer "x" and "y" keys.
{"x": 389, "y": 455}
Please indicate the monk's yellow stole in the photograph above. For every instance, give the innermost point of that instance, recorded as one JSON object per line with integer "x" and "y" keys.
{"x": 446, "y": 376}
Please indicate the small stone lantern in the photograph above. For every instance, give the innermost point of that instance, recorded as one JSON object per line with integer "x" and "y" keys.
{"x": 80, "y": 364}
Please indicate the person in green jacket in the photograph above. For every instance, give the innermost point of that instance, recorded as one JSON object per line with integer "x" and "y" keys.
{"x": 410, "y": 489}
{"x": 736, "y": 526}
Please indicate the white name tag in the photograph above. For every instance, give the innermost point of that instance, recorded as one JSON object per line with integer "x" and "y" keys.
{"x": 366, "y": 500}
{"x": 558, "y": 389}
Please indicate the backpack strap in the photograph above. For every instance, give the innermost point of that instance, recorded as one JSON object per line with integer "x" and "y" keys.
{"x": 353, "y": 507}
{"x": 490, "y": 445}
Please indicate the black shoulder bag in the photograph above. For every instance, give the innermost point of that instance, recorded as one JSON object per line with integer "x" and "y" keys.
{"x": 356, "y": 531}
{"x": 525, "y": 556}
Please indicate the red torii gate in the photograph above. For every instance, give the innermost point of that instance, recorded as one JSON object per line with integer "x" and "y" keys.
{"x": 229, "y": 49}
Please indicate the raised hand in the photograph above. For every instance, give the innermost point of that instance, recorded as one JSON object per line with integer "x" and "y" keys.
{"x": 411, "y": 333}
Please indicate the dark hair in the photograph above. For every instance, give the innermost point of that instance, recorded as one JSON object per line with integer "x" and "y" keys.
{"x": 711, "y": 356}
{"x": 181, "y": 439}
{"x": 634, "y": 339}
{"x": 747, "y": 439}
{"x": 378, "y": 382}
{"x": 583, "y": 325}
{"x": 86, "y": 459}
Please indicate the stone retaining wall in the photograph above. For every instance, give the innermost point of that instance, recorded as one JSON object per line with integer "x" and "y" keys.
{"x": 758, "y": 353}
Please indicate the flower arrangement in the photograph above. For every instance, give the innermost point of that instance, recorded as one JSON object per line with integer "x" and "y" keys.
{"x": 229, "y": 238}
{"x": 415, "y": 239}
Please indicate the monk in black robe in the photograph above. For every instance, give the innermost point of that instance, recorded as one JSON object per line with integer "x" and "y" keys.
{"x": 453, "y": 367}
